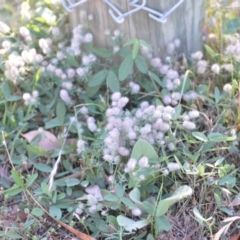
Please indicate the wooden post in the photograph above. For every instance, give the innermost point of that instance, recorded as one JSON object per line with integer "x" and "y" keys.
{"x": 184, "y": 23}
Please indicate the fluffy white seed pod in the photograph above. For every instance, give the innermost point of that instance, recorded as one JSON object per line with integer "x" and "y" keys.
{"x": 65, "y": 96}
{"x": 227, "y": 88}
{"x": 143, "y": 162}
{"x": 136, "y": 212}
{"x": 189, "y": 125}
{"x": 193, "y": 114}
{"x": 131, "y": 164}
{"x": 172, "y": 167}
{"x": 215, "y": 68}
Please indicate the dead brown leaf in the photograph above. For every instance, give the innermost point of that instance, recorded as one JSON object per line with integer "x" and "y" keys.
{"x": 224, "y": 229}
{"x": 236, "y": 237}
{"x": 48, "y": 141}
{"x": 13, "y": 217}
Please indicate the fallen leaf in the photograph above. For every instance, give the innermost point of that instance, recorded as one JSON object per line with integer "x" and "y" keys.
{"x": 224, "y": 229}
{"x": 13, "y": 217}
{"x": 48, "y": 141}
{"x": 236, "y": 237}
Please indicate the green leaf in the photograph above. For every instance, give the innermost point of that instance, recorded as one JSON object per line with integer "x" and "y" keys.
{"x": 38, "y": 151}
{"x": 13, "y": 98}
{"x": 60, "y": 183}
{"x": 227, "y": 181}
{"x": 38, "y": 212}
{"x": 6, "y": 91}
{"x": 17, "y": 178}
{"x": 150, "y": 237}
{"x": 163, "y": 223}
{"x": 98, "y": 78}
{"x": 64, "y": 203}
{"x": 102, "y": 52}
{"x": 180, "y": 193}
{"x": 13, "y": 191}
{"x": 61, "y": 112}
{"x": 37, "y": 30}
{"x": 12, "y": 235}
{"x": 177, "y": 113}
{"x": 135, "y": 196}
{"x": 198, "y": 216}
{"x": 127, "y": 202}
{"x": 120, "y": 191}
{"x": 231, "y": 26}
{"x": 28, "y": 223}
{"x": 200, "y": 136}
{"x": 143, "y": 148}
{"x": 141, "y": 236}
{"x": 113, "y": 82}
{"x": 42, "y": 167}
{"x": 125, "y": 68}
{"x": 141, "y": 64}
{"x": 218, "y": 198}
{"x": 54, "y": 197}
{"x": 135, "y": 49}
{"x": 131, "y": 41}
{"x": 40, "y": 19}
{"x": 217, "y": 95}
{"x": 71, "y": 60}
{"x": 91, "y": 91}
{"x": 185, "y": 84}
{"x": 31, "y": 179}
{"x": 53, "y": 123}
{"x": 155, "y": 78}
{"x": 219, "y": 161}
{"x": 28, "y": 117}
{"x": 210, "y": 51}
{"x": 61, "y": 196}
{"x": 162, "y": 208}
{"x": 129, "y": 224}
{"x": 37, "y": 76}
{"x": 111, "y": 198}
{"x": 55, "y": 212}
{"x": 124, "y": 52}
{"x": 84, "y": 183}
{"x": 227, "y": 211}
{"x": 6, "y": 183}
{"x": 148, "y": 207}
{"x": 72, "y": 182}
{"x": 69, "y": 191}
{"x": 217, "y": 137}
{"x": 45, "y": 189}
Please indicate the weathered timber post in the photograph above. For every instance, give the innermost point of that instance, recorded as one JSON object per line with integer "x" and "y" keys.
{"x": 184, "y": 23}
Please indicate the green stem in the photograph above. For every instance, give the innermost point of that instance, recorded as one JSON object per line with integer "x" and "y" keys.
{"x": 5, "y": 115}
{"x": 154, "y": 84}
